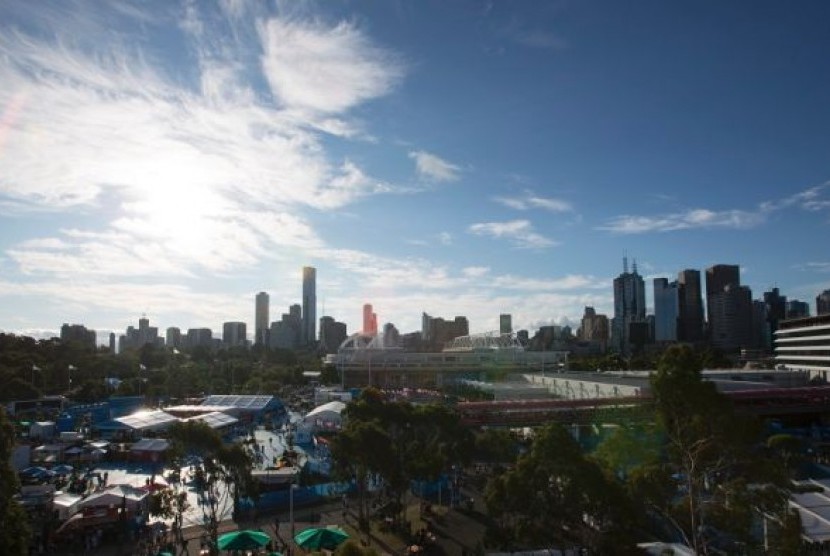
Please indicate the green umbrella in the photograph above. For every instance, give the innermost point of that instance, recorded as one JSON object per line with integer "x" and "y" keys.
{"x": 243, "y": 540}
{"x": 315, "y": 538}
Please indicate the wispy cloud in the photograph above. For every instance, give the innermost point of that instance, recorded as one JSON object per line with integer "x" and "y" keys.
{"x": 814, "y": 266}
{"x": 207, "y": 174}
{"x": 519, "y": 232}
{"x": 811, "y": 199}
{"x": 434, "y": 168}
{"x": 529, "y": 201}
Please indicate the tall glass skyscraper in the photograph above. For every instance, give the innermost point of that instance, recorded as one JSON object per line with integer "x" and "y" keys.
{"x": 261, "y": 319}
{"x": 629, "y": 306}
{"x": 309, "y": 333}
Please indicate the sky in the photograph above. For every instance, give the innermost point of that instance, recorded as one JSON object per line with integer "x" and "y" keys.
{"x": 456, "y": 158}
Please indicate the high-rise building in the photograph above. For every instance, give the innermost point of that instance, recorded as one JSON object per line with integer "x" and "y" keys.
{"x": 309, "y": 334}
{"x": 234, "y": 334}
{"x": 286, "y": 333}
{"x": 594, "y": 328}
{"x": 332, "y": 334}
{"x": 137, "y": 338}
{"x": 629, "y": 306}
{"x": 370, "y": 320}
{"x": 173, "y": 337}
{"x": 78, "y": 333}
{"x": 199, "y": 337}
{"x": 505, "y": 324}
{"x": 730, "y": 320}
{"x": 666, "y": 310}
{"x": 797, "y": 309}
{"x": 776, "y": 308}
{"x": 440, "y": 331}
{"x": 717, "y": 278}
{"x": 391, "y": 336}
{"x": 261, "y": 319}
{"x": 823, "y": 303}
{"x": 690, "y": 306}
{"x": 112, "y": 342}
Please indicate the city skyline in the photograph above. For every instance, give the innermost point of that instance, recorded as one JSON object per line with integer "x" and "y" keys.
{"x": 176, "y": 159}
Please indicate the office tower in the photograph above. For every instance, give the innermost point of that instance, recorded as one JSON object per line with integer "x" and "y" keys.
{"x": 717, "y": 278}
{"x": 823, "y": 303}
{"x": 629, "y": 305}
{"x": 79, "y": 334}
{"x": 234, "y": 334}
{"x": 261, "y": 319}
{"x": 391, "y": 336}
{"x": 666, "y": 310}
{"x": 594, "y": 328}
{"x": 690, "y": 306}
{"x": 776, "y": 308}
{"x": 286, "y": 333}
{"x": 309, "y": 333}
{"x": 332, "y": 334}
{"x": 730, "y": 320}
{"x": 505, "y": 324}
{"x": 761, "y": 336}
{"x": 199, "y": 337}
{"x": 370, "y": 320}
{"x": 137, "y": 338}
{"x": 112, "y": 342}
{"x": 440, "y": 331}
{"x": 797, "y": 309}
{"x": 173, "y": 337}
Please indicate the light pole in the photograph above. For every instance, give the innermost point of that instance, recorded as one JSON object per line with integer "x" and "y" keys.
{"x": 291, "y": 508}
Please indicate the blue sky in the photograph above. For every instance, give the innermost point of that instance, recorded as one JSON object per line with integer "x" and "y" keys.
{"x": 458, "y": 158}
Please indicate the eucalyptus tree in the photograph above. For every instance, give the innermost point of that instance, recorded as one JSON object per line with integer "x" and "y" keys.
{"x": 223, "y": 473}
{"x": 557, "y": 497}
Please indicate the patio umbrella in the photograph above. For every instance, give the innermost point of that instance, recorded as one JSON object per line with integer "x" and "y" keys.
{"x": 315, "y": 538}
{"x": 243, "y": 540}
{"x": 63, "y": 469}
{"x": 34, "y": 471}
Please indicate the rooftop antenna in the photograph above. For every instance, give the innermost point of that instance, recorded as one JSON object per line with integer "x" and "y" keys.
{"x": 625, "y": 264}
{"x": 635, "y": 267}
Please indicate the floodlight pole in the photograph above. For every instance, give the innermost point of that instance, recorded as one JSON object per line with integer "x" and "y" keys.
{"x": 291, "y": 508}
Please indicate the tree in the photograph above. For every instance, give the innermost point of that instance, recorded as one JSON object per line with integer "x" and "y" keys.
{"x": 709, "y": 449}
{"x": 556, "y": 497}
{"x": 14, "y": 525}
{"x": 223, "y": 475}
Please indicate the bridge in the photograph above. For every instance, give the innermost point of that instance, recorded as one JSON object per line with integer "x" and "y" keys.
{"x": 769, "y": 402}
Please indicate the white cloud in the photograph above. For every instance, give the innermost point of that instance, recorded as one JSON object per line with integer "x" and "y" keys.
{"x": 210, "y": 177}
{"x": 324, "y": 69}
{"x": 434, "y": 168}
{"x": 810, "y": 199}
{"x": 531, "y": 201}
{"x": 475, "y": 271}
{"x": 519, "y": 232}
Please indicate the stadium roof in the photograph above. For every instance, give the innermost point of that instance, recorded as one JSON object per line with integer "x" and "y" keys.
{"x": 148, "y": 420}
{"x": 248, "y": 403}
{"x": 214, "y": 419}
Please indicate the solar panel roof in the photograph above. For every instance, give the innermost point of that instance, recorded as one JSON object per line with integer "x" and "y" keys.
{"x": 251, "y": 403}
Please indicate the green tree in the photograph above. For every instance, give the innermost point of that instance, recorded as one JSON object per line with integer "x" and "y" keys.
{"x": 14, "y": 524}
{"x": 556, "y": 497}
{"x": 709, "y": 448}
{"x": 223, "y": 474}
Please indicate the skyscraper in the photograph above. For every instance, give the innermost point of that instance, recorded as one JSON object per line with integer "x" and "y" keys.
{"x": 729, "y": 308}
{"x": 234, "y": 334}
{"x": 666, "y": 309}
{"x": 505, "y": 324}
{"x": 690, "y": 306}
{"x": 370, "y": 320}
{"x": 823, "y": 303}
{"x": 261, "y": 319}
{"x": 309, "y": 334}
{"x": 629, "y": 305}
